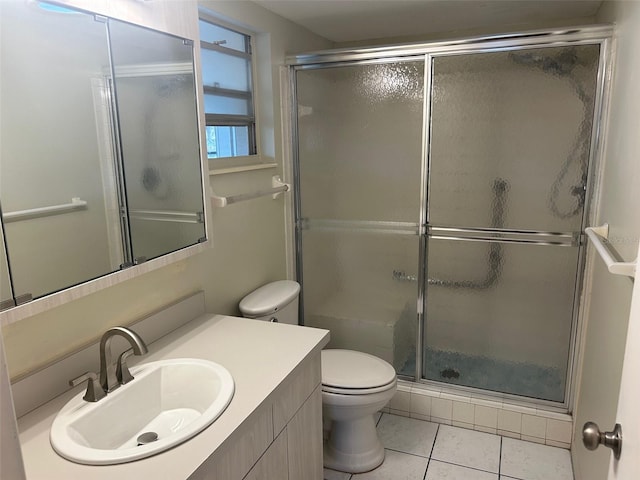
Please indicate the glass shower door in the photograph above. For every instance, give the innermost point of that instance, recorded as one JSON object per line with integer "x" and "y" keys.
{"x": 359, "y": 172}
{"x": 509, "y": 153}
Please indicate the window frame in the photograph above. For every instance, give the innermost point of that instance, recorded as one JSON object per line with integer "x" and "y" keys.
{"x": 230, "y": 120}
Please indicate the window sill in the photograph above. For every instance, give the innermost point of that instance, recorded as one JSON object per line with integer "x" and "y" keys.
{"x": 241, "y": 168}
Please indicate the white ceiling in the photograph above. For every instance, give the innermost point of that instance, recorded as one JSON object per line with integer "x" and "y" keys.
{"x": 356, "y": 20}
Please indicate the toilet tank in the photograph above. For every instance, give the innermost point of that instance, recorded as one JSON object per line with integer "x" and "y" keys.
{"x": 275, "y": 302}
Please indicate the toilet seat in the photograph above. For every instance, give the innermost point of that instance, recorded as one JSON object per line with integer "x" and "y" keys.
{"x": 358, "y": 391}
{"x": 347, "y": 372}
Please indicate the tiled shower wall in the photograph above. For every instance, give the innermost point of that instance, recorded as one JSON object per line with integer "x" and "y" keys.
{"x": 490, "y": 416}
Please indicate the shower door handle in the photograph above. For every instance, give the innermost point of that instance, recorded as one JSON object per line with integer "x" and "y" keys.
{"x": 561, "y": 239}
{"x": 592, "y": 437}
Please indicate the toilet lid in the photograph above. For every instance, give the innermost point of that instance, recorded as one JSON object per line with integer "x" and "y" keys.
{"x": 269, "y": 298}
{"x": 351, "y": 369}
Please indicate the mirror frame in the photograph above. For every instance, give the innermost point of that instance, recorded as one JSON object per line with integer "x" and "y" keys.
{"x": 47, "y": 302}
{"x": 75, "y": 292}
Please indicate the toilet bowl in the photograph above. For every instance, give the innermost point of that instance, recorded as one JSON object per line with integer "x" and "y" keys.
{"x": 355, "y": 385}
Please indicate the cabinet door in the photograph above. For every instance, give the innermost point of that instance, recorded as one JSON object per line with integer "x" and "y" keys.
{"x": 304, "y": 439}
{"x": 273, "y": 464}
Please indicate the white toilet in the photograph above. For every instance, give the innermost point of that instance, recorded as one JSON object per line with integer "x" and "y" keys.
{"x": 273, "y": 302}
{"x": 355, "y": 385}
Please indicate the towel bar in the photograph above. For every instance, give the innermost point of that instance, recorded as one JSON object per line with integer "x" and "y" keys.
{"x": 278, "y": 188}
{"x": 76, "y": 204}
{"x": 598, "y": 236}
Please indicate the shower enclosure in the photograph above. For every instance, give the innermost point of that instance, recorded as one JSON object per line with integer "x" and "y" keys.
{"x": 442, "y": 192}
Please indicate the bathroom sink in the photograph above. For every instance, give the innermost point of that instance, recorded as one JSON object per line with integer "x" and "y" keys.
{"x": 167, "y": 403}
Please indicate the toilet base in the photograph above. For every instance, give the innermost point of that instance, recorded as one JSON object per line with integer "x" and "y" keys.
{"x": 353, "y": 446}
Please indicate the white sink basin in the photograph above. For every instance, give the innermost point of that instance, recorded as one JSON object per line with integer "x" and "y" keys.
{"x": 176, "y": 399}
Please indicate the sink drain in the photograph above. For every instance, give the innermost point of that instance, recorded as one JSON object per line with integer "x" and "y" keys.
{"x": 146, "y": 438}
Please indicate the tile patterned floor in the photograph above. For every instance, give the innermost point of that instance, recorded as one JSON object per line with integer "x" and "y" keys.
{"x": 419, "y": 450}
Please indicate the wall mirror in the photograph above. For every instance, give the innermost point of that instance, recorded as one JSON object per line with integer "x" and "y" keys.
{"x": 100, "y": 163}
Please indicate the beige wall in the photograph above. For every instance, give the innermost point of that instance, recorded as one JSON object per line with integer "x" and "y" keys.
{"x": 609, "y": 296}
{"x": 248, "y": 238}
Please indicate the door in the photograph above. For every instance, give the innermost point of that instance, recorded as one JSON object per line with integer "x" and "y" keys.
{"x": 359, "y": 175}
{"x": 628, "y": 466}
{"x": 509, "y": 151}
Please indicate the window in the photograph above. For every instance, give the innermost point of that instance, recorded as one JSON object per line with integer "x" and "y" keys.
{"x": 228, "y": 97}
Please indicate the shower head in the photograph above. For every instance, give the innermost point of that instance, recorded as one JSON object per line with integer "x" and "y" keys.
{"x": 561, "y": 64}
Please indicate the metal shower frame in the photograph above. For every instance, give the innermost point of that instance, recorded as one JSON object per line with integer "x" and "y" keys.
{"x": 583, "y": 35}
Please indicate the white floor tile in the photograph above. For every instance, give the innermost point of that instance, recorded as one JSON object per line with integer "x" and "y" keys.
{"x": 396, "y": 466}
{"x": 407, "y": 435}
{"x": 446, "y": 471}
{"x": 454, "y": 452}
{"x": 467, "y": 448}
{"x": 531, "y": 461}
{"x": 376, "y": 417}
{"x": 335, "y": 475}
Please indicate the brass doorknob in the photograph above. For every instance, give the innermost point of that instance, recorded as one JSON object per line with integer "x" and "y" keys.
{"x": 592, "y": 437}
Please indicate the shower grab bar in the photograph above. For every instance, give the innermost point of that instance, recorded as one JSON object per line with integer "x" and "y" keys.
{"x": 599, "y": 237}
{"x": 278, "y": 188}
{"x": 76, "y": 204}
{"x": 167, "y": 216}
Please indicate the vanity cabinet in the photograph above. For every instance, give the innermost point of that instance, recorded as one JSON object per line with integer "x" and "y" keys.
{"x": 296, "y": 453}
{"x": 304, "y": 440}
{"x": 282, "y": 440}
{"x": 273, "y": 464}
{"x": 271, "y": 430}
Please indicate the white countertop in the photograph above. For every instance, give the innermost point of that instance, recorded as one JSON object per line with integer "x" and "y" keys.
{"x": 259, "y": 355}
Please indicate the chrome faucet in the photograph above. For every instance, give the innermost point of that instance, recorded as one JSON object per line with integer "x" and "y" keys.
{"x": 109, "y": 371}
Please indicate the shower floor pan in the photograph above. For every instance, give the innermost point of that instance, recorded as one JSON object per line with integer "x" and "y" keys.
{"x": 496, "y": 375}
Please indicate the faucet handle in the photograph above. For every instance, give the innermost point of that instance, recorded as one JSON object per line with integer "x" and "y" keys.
{"x": 94, "y": 389}
{"x": 122, "y": 370}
